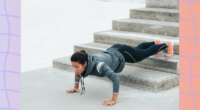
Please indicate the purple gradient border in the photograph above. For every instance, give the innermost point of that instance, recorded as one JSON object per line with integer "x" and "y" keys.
{"x": 10, "y": 54}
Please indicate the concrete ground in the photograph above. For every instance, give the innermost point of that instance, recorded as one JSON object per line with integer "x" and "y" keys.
{"x": 44, "y": 89}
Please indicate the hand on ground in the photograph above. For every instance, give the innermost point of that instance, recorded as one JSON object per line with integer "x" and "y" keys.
{"x": 109, "y": 102}
{"x": 72, "y": 91}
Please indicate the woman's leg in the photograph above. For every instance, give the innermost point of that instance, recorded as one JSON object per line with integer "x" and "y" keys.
{"x": 155, "y": 49}
{"x": 116, "y": 46}
{"x": 145, "y": 45}
{"x": 133, "y": 55}
{"x": 141, "y": 54}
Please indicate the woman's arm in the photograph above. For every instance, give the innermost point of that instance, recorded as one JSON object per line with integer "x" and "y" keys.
{"x": 115, "y": 97}
{"x": 77, "y": 79}
{"x": 102, "y": 68}
{"x": 76, "y": 85}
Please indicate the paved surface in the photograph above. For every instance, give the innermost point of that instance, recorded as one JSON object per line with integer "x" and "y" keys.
{"x": 44, "y": 89}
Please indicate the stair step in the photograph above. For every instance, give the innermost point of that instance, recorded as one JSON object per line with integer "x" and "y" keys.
{"x": 162, "y": 14}
{"x": 156, "y": 62}
{"x": 132, "y": 38}
{"x": 132, "y": 76}
{"x": 147, "y": 26}
{"x": 172, "y": 4}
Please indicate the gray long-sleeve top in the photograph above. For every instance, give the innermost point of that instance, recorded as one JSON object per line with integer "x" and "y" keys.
{"x": 101, "y": 69}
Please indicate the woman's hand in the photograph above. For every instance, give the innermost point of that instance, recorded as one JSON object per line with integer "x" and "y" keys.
{"x": 72, "y": 90}
{"x": 109, "y": 102}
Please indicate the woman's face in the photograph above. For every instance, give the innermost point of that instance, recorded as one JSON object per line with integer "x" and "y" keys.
{"x": 78, "y": 68}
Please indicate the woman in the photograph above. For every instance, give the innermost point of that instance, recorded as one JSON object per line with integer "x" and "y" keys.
{"x": 112, "y": 61}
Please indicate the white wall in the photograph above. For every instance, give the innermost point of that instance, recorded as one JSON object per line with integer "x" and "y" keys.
{"x": 50, "y": 28}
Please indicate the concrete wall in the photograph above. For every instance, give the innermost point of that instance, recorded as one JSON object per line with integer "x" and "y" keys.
{"x": 162, "y": 3}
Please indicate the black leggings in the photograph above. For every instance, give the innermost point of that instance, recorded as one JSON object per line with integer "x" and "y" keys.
{"x": 142, "y": 51}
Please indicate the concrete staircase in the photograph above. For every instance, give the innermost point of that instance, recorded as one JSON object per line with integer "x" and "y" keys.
{"x": 155, "y": 73}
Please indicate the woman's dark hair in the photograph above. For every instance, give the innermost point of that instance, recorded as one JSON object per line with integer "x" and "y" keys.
{"x": 80, "y": 56}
